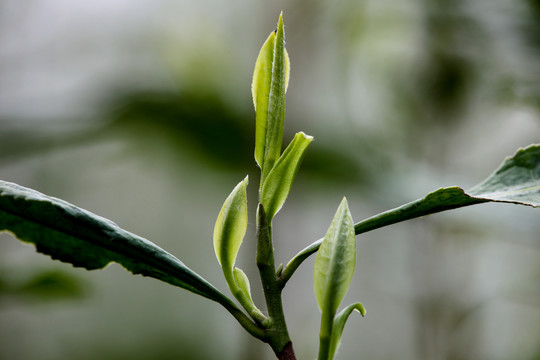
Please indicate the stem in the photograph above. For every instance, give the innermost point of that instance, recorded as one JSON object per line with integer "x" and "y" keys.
{"x": 325, "y": 336}
{"x": 252, "y": 328}
{"x": 287, "y": 353}
{"x": 243, "y": 299}
{"x": 276, "y": 332}
{"x": 408, "y": 211}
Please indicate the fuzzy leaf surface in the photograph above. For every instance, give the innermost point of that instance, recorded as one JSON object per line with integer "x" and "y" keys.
{"x": 278, "y": 184}
{"x": 73, "y": 235}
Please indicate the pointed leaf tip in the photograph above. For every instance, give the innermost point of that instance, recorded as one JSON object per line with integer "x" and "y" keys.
{"x": 335, "y": 261}
{"x": 270, "y": 82}
{"x": 76, "y": 236}
{"x": 339, "y": 325}
{"x": 278, "y": 183}
{"x": 231, "y": 226}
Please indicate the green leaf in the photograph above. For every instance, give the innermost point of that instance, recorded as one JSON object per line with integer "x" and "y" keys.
{"x": 229, "y": 231}
{"x": 333, "y": 271}
{"x": 339, "y": 325}
{"x": 243, "y": 282}
{"x": 73, "y": 235}
{"x": 278, "y": 184}
{"x": 335, "y": 261}
{"x": 231, "y": 226}
{"x": 270, "y": 81}
{"x": 516, "y": 181}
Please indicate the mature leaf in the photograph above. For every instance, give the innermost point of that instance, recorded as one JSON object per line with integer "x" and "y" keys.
{"x": 231, "y": 226}
{"x": 278, "y": 184}
{"x": 339, "y": 325}
{"x": 270, "y": 81}
{"x": 516, "y": 181}
{"x": 335, "y": 261}
{"x": 73, "y": 235}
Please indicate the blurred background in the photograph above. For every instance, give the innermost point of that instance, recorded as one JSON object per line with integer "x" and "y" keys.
{"x": 141, "y": 111}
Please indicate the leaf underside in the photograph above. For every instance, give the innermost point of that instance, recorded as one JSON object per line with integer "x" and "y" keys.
{"x": 83, "y": 239}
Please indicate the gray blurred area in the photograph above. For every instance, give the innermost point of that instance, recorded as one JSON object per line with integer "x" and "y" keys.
{"x": 141, "y": 112}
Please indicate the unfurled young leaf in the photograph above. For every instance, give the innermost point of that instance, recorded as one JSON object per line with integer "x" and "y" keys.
{"x": 229, "y": 231}
{"x": 270, "y": 81}
{"x": 231, "y": 226}
{"x": 278, "y": 184}
{"x": 516, "y": 181}
{"x": 334, "y": 268}
{"x": 335, "y": 261}
{"x": 339, "y": 325}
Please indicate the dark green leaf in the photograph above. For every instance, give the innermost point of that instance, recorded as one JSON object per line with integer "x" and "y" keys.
{"x": 517, "y": 180}
{"x": 73, "y": 235}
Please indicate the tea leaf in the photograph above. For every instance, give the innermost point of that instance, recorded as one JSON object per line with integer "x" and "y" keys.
{"x": 335, "y": 261}
{"x": 73, "y": 235}
{"x": 243, "y": 282}
{"x": 516, "y": 181}
{"x": 333, "y": 271}
{"x": 231, "y": 226}
{"x": 270, "y": 81}
{"x": 339, "y": 325}
{"x": 278, "y": 184}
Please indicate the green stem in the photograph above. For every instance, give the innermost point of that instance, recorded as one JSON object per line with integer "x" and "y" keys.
{"x": 251, "y": 327}
{"x": 243, "y": 299}
{"x": 277, "y": 335}
{"x": 325, "y": 336}
{"x": 405, "y": 212}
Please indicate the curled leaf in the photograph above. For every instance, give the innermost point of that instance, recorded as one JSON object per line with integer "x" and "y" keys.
{"x": 243, "y": 282}
{"x": 230, "y": 228}
{"x": 339, "y": 325}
